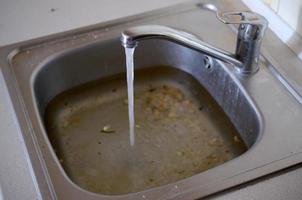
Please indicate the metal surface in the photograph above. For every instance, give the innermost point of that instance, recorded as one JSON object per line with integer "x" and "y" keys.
{"x": 251, "y": 31}
{"x": 265, "y": 113}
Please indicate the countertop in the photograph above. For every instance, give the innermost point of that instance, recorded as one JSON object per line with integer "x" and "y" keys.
{"x": 23, "y": 20}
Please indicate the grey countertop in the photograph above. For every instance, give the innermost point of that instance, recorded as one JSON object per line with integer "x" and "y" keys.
{"x": 23, "y": 20}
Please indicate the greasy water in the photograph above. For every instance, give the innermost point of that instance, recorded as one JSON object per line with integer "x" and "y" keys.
{"x": 180, "y": 131}
{"x": 130, "y": 77}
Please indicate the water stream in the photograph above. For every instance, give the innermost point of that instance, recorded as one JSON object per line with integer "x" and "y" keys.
{"x": 130, "y": 77}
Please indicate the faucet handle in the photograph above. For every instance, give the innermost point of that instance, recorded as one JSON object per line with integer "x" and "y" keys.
{"x": 243, "y": 17}
{"x": 251, "y": 31}
{"x": 252, "y": 26}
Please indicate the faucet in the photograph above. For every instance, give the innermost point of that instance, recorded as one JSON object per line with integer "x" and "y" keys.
{"x": 251, "y": 31}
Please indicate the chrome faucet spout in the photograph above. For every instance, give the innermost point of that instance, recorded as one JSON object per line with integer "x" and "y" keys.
{"x": 132, "y": 36}
{"x": 248, "y": 41}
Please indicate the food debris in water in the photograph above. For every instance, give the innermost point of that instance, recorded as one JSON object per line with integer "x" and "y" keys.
{"x": 236, "y": 139}
{"x": 167, "y": 104}
{"x": 172, "y": 115}
{"x": 212, "y": 158}
{"x": 181, "y": 171}
{"x": 107, "y": 129}
{"x": 215, "y": 142}
{"x": 65, "y": 124}
{"x": 152, "y": 89}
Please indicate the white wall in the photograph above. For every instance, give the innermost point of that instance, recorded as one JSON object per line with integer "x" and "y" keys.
{"x": 289, "y": 10}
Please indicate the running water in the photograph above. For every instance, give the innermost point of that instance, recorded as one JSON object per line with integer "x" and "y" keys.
{"x": 130, "y": 77}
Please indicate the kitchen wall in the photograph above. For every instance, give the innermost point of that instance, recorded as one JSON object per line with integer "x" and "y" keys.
{"x": 289, "y": 10}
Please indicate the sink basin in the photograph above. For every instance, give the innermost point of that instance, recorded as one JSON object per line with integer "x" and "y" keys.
{"x": 201, "y": 127}
{"x": 180, "y": 131}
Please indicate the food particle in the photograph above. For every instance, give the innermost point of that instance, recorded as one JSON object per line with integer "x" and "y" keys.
{"x": 236, "y": 139}
{"x": 180, "y": 153}
{"x": 107, "y": 129}
{"x": 152, "y": 89}
{"x": 213, "y": 140}
{"x": 181, "y": 171}
{"x": 172, "y": 115}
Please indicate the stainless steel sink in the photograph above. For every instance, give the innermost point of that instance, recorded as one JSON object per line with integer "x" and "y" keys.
{"x": 43, "y": 74}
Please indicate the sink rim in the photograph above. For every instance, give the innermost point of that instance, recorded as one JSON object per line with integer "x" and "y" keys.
{"x": 292, "y": 158}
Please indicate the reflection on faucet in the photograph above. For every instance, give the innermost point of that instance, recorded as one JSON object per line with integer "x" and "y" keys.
{"x": 251, "y": 30}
